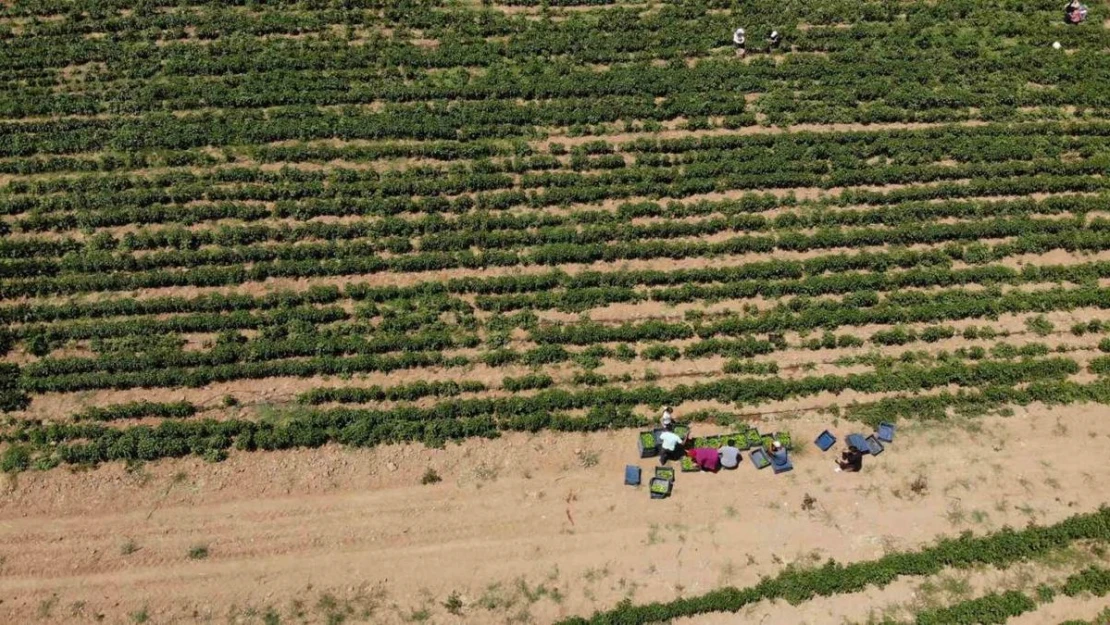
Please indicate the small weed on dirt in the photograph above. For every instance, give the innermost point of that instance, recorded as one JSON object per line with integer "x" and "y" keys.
{"x": 919, "y": 486}
{"x": 128, "y": 547}
{"x": 430, "y": 477}
{"x": 46, "y": 606}
{"x": 956, "y": 514}
{"x": 588, "y": 458}
{"x": 454, "y": 604}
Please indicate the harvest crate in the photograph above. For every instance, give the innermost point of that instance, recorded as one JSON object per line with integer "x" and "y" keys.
{"x": 648, "y": 444}
{"x": 785, "y": 439}
{"x": 754, "y": 438}
{"x": 760, "y": 459}
{"x": 660, "y": 488}
{"x": 741, "y": 438}
{"x": 886, "y": 432}
{"x": 666, "y": 473}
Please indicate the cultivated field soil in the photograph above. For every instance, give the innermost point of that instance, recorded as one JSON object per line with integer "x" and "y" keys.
{"x": 354, "y": 311}
{"x": 531, "y": 528}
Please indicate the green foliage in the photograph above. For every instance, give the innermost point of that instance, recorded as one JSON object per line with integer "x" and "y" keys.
{"x": 987, "y": 610}
{"x": 15, "y": 458}
{"x": 1039, "y": 325}
{"x": 796, "y": 585}
{"x": 137, "y": 410}
{"x": 527, "y": 382}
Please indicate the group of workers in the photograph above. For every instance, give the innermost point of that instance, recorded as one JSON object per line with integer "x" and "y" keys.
{"x": 672, "y": 447}
{"x": 740, "y": 38}
{"x": 1074, "y": 13}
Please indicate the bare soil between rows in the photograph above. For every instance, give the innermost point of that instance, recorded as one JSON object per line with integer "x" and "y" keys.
{"x": 523, "y": 527}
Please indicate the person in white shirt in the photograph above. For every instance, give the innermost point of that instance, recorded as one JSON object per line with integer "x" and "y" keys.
{"x": 668, "y": 418}
{"x": 738, "y": 38}
{"x": 670, "y": 447}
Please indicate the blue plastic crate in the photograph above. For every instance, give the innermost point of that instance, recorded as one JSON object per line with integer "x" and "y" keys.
{"x": 886, "y": 432}
{"x": 760, "y": 459}
{"x": 859, "y": 442}
{"x": 632, "y": 475}
{"x": 825, "y": 440}
{"x": 783, "y": 466}
{"x": 874, "y": 446}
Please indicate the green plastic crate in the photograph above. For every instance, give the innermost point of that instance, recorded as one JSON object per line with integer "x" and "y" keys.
{"x": 648, "y": 445}
{"x": 682, "y": 430}
{"x": 754, "y": 439}
{"x": 784, "y": 438}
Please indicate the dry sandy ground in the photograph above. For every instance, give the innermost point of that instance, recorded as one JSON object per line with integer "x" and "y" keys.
{"x": 528, "y": 528}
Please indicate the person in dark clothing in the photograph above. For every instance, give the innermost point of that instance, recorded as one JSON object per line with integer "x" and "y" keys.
{"x": 851, "y": 460}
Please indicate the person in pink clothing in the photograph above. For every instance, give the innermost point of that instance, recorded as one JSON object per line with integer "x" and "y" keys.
{"x": 705, "y": 457}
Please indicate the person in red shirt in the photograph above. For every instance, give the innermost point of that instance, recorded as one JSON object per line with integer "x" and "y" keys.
{"x": 705, "y": 457}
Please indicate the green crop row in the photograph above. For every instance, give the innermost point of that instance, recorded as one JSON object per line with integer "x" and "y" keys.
{"x": 1032, "y": 236}
{"x": 137, "y": 410}
{"x": 740, "y": 391}
{"x": 198, "y": 322}
{"x": 195, "y": 377}
{"x": 538, "y": 410}
{"x": 799, "y": 585}
{"x": 164, "y": 305}
{"x": 990, "y": 609}
{"x": 997, "y": 608}
{"x": 584, "y": 282}
{"x": 898, "y": 307}
{"x": 553, "y": 241}
{"x": 408, "y": 392}
{"x": 436, "y": 233}
{"x": 849, "y": 151}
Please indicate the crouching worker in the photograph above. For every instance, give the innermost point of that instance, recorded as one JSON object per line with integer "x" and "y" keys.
{"x": 670, "y": 446}
{"x": 851, "y": 460}
{"x": 706, "y": 458}
{"x": 1074, "y": 12}
{"x": 778, "y": 454}
{"x": 730, "y": 455}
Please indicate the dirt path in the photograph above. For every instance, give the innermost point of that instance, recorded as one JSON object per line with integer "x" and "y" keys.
{"x": 533, "y": 526}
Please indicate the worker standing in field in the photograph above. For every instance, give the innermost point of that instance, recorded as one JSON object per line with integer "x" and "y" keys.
{"x": 668, "y": 418}
{"x": 739, "y": 39}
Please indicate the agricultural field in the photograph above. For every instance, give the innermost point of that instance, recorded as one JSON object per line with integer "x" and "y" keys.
{"x": 351, "y": 311}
